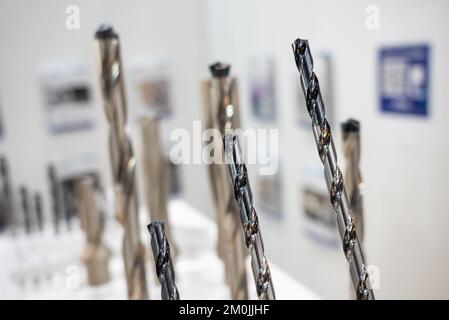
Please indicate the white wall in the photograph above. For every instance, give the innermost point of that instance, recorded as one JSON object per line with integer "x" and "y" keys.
{"x": 403, "y": 159}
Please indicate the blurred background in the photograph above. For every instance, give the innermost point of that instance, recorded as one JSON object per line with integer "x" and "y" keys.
{"x": 383, "y": 63}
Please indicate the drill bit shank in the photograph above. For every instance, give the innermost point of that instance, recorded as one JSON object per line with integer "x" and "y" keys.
{"x": 249, "y": 220}
{"x": 123, "y": 162}
{"x": 164, "y": 264}
{"x": 334, "y": 178}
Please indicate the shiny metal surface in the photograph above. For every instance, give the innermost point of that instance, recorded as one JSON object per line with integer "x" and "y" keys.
{"x": 221, "y": 111}
{"x": 334, "y": 178}
{"x": 123, "y": 162}
{"x": 248, "y": 217}
{"x": 162, "y": 258}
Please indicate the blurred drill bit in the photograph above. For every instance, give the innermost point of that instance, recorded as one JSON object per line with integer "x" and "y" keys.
{"x": 248, "y": 216}
{"x": 334, "y": 178}
{"x": 55, "y": 191}
{"x": 221, "y": 110}
{"x": 123, "y": 162}
{"x": 7, "y": 215}
{"x": 25, "y": 208}
{"x": 155, "y": 168}
{"x": 95, "y": 254}
{"x": 162, "y": 258}
{"x": 38, "y": 210}
{"x": 353, "y": 178}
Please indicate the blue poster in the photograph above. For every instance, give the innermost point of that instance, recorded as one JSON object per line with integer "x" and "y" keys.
{"x": 404, "y": 80}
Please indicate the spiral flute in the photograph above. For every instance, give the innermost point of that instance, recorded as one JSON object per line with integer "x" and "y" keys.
{"x": 162, "y": 258}
{"x": 334, "y": 178}
{"x": 248, "y": 217}
{"x": 221, "y": 110}
{"x": 123, "y": 162}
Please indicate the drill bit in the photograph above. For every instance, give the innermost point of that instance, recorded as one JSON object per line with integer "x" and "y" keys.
{"x": 38, "y": 210}
{"x": 55, "y": 192}
{"x": 221, "y": 111}
{"x": 248, "y": 216}
{"x": 123, "y": 162}
{"x": 25, "y": 209}
{"x": 6, "y": 205}
{"x": 353, "y": 178}
{"x": 334, "y": 178}
{"x": 95, "y": 254}
{"x": 162, "y": 258}
{"x": 155, "y": 169}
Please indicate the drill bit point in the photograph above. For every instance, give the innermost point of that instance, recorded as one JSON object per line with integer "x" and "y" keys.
{"x": 350, "y": 125}
{"x": 105, "y": 31}
{"x": 219, "y": 69}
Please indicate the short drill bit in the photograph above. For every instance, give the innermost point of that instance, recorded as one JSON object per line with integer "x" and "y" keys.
{"x": 334, "y": 178}
{"x": 164, "y": 264}
{"x": 38, "y": 210}
{"x": 221, "y": 110}
{"x": 123, "y": 162}
{"x": 248, "y": 216}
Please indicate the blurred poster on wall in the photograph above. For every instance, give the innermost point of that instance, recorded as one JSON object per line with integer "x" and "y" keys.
{"x": 262, "y": 87}
{"x": 319, "y": 218}
{"x": 323, "y": 69}
{"x": 404, "y": 79}
{"x": 151, "y": 88}
{"x": 67, "y": 95}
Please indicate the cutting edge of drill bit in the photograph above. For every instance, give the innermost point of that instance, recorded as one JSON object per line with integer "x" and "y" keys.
{"x": 334, "y": 178}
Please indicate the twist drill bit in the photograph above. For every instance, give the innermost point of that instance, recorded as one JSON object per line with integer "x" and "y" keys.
{"x": 155, "y": 169}
{"x": 334, "y": 178}
{"x": 25, "y": 208}
{"x": 248, "y": 216}
{"x": 353, "y": 178}
{"x": 162, "y": 258}
{"x": 123, "y": 163}
{"x": 95, "y": 254}
{"x": 38, "y": 210}
{"x": 55, "y": 191}
{"x": 6, "y": 205}
{"x": 221, "y": 111}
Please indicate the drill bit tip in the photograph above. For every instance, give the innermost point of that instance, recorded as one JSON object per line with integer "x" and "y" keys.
{"x": 105, "y": 31}
{"x": 219, "y": 69}
{"x": 350, "y": 125}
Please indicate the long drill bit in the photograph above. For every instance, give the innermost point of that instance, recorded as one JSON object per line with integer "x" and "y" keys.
{"x": 248, "y": 216}
{"x": 38, "y": 210}
{"x": 155, "y": 168}
{"x": 6, "y": 196}
{"x": 25, "y": 208}
{"x": 162, "y": 258}
{"x": 221, "y": 109}
{"x": 123, "y": 162}
{"x": 334, "y": 178}
{"x": 55, "y": 191}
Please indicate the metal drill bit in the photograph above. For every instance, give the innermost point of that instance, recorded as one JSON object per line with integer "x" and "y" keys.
{"x": 353, "y": 177}
{"x": 221, "y": 109}
{"x": 38, "y": 210}
{"x": 95, "y": 254}
{"x": 334, "y": 178}
{"x": 162, "y": 258}
{"x": 155, "y": 169}
{"x": 6, "y": 205}
{"x": 55, "y": 192}
{"x": 25, "y": 208}
{"x": 248, "y": 216}
{"x": 123, "y": 162}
